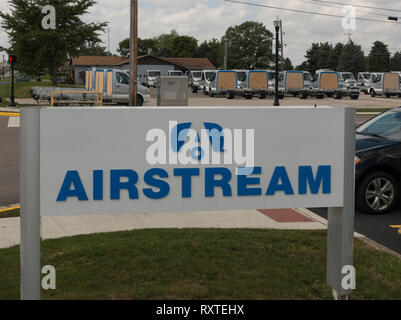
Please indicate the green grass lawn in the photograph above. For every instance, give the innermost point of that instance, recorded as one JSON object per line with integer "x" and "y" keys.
{"x": 10, "y": 214}
{"x": 201, "y": 264}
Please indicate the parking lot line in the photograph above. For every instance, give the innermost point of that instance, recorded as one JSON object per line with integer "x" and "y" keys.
{"x": 9, "y": 209}
{"x": 9, "y": 114}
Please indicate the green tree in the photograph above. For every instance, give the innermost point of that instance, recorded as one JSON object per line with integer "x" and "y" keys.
{"x": 184, "y": 47}
{"x": 379, "y": 58}
{"x": 143, "y": 46}
{"x": 302, "y": 67}
{"x": 124, "y": 48}
{"x": 352, "y": 59}
{"x": 39, "y": 48}
{"x": 317, "y": 57}
{"x": 395, "y": 62}
{"x": 166, "y": 40}
{"x": 213, "y": 50}
{"x": 335, "y": 56}
{"x": 95, "y": 50}
{"x": 249, "y": 46}
{"x": 287, "y": 65}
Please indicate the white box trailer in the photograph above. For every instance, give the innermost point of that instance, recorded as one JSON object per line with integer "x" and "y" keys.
{"x": 114, "y": 85}
{"x": 224, "y": 83}
{"x": 257, "y": 84}
{"x": 327, "y": 82}
{"x": 385, "y": 84}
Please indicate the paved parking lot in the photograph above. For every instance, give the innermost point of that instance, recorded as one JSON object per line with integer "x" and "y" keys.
{"x": 364, "y": 101}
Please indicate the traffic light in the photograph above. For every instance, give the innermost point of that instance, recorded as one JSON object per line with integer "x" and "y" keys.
{"x": 12, "y": 59}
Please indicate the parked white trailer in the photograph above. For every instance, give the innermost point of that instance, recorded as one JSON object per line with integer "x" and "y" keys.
{"x": 385, "y": 84}
{"x": 114, "y": 84}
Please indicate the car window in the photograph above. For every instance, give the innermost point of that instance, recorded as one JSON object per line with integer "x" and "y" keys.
{"x": 387, "y": 125}
{"x": 376, "y": 78}
{"x": 196, "y": 74}
{"x": 241, "y": 76}
{"x": 210, "y": 76}
{"x": 122, "y": 78}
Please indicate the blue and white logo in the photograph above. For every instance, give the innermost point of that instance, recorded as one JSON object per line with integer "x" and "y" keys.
{"x": 211, "y": 144}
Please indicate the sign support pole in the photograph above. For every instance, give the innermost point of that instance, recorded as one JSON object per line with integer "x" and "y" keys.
{"x": 340, "y": 237}
{"x": 30, "y": 203}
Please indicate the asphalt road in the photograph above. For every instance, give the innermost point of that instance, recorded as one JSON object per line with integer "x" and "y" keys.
{"x": 375, "y": 227}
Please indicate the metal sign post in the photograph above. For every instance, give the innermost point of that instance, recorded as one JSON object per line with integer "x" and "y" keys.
{"x": 30, "y": 203}
{"x": 340, "y": 237}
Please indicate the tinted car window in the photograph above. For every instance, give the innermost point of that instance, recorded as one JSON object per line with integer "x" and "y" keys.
{"x": 122, "y": 78}
{"x": 387, "y": 125}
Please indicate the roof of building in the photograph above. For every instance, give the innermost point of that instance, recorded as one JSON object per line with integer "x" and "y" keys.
{"x": 191, "y": 63}
{"x": 99, "y": 61}
{"x": 186, "y": 63}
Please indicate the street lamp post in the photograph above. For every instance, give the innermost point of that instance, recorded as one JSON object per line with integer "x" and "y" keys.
{"x": 276, "y": 100}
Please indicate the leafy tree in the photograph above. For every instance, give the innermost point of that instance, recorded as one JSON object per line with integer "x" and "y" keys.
{"x": 164, "y": 53}
{"x": 166, "y": 40}
{"x": 213, "y": 50}
{"x": 379, "y": 57}
{"x": 95, "y": 50}
{"x": 39, "y": 48}
{"x": 335, "y": 56}
{"x": 352, "y": 58}
{"x": 184, "y": 47}
{"x": 302, "y": 67}
{"x": 249, "y": 46}
{"x": 143, "y": 46}
{"x": 287, "y": 65}
{"x": 395, "y": 62}
{"x": 317, "y": 57}
{"x": 124, "y": 48}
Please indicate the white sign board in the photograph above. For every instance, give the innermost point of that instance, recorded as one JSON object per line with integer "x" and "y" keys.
{"x": 124, "y": 160}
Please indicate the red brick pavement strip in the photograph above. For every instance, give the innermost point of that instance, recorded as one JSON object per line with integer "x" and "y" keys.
{"x": 285, "y": 215}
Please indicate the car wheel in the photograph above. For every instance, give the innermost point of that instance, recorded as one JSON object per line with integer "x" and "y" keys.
{"x": 372, "y": 93}
{"x": 139, "y": 101}
{"x": 378, "y": 193}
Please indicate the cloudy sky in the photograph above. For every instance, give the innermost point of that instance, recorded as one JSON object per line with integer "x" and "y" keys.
{"x": 207, "y": 19}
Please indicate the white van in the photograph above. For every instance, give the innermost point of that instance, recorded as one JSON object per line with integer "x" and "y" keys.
{"x": 151, "y": 78}
{"x": 175, "y": 73}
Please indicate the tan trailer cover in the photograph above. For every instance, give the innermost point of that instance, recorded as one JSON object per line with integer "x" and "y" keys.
{"x": 328, "y": 81}
{"x": 294, "y": 81}
{"x": 258, "y": 80}
{"x": 226, "y": 81}
{"x": 391, "y": 82}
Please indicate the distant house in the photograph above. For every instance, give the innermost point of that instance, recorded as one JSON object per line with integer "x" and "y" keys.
{"x": 145, "y": 63}
{"x": 82, "y": 63}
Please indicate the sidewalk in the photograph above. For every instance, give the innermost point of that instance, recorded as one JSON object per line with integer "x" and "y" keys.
{"x": 59, "y": 227}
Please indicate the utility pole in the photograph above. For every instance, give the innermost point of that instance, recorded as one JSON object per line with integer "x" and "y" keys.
{"x": 282, "y": 45}
{"x": 225, "y": 54}
{"x": 133, "y": 53}
{"x": 277, "y": 28}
